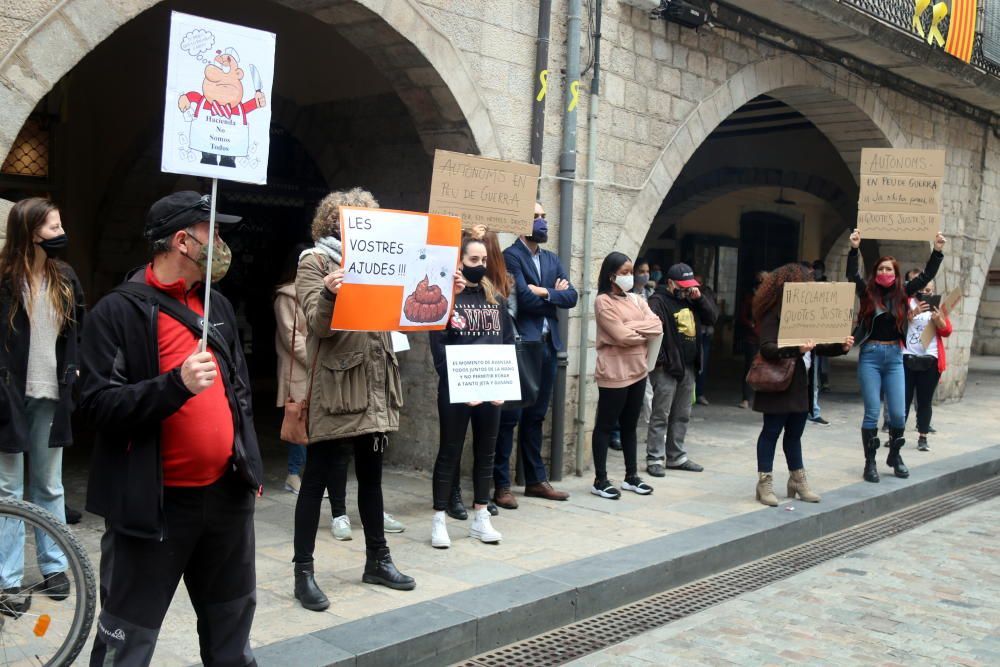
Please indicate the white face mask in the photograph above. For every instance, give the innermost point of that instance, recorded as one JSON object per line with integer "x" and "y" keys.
{"x": 625, "y": 282}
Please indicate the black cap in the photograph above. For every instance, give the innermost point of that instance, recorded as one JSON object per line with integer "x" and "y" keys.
{"x": 682, "y": 275}
{"x": 179, "y": 211}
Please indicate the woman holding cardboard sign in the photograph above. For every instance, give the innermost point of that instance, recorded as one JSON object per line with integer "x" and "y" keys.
{"x": 881, "y": 328}
{"x": 784, "y": 409}
{"x": 479, "y": 318}
{"x": 625, "y": 325}
{"x": 353, "y": 397}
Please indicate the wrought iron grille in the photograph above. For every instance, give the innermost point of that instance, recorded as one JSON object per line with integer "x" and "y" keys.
{"x": 29, "y": 154}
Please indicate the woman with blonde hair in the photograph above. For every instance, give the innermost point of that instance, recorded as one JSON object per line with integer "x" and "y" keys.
{"x": 354, "y": 403}
{"x": 41, "y": 316}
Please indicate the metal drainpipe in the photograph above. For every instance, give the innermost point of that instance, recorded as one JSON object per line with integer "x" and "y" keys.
{"x": 588, "y": 223}
{"x": 541, "y": 85}
{"x": 567, "y": 174}
{"x": 538, "y": 126}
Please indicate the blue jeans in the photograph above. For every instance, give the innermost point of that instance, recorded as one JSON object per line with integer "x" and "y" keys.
{"x": 296, "y": 458}
{"x": 880, "y": 369}
{"x": 44, "y": 489}
{"x": 814, "y": 385}
{"x": 529, "y": 433}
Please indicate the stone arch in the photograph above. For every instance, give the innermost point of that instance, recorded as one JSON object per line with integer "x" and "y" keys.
{"x": 426, "y": 69}
{"x": 684, "y": 198}
{"x": 839, "y": 104}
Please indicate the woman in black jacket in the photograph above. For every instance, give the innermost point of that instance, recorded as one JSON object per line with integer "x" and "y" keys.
{"x": 479, "y": 318}
{"x": 784, "y": 410}
{"x": 882, "y": 323}
{"x": 41, "y": 312}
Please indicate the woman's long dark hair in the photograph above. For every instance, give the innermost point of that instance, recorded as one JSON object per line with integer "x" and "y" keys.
{"x": 772, "y": 288}
{"x": 610, "y": 265}
{"x": 496, "y": 267}
{"x": 875, "y": 293}
{"x": 18, "y": 257}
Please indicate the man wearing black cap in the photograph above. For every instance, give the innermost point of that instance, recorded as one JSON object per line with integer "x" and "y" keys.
{"x": 684, "y": 310}
{"x": 176, "y": 465}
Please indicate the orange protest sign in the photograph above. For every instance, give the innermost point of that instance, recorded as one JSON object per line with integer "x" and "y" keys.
{"x": 399, "y": 270}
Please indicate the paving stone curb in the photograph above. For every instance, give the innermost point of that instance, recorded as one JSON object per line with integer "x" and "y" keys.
{"x": 458, "y": 626}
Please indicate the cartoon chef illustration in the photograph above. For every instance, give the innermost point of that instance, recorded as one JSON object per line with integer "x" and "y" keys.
{"x": 218, "y": 114}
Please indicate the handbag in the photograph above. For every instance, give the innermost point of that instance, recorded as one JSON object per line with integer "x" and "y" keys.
{"x": 294, "y": 422}
{"x": 529, "y": 369}
{"x": 771, "y": 376}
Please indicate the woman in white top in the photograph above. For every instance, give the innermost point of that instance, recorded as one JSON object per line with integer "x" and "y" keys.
{"x": 923, "y": 365}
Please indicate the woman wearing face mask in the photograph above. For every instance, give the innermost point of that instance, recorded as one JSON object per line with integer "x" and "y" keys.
{"x": 41, "y": 315}
{"x": 785, "y": 411}
{"x": 882, "y": 324}
{"x": 624, "y": 325}
{"x": 923, "y": 366}
{"x": 479, "y": 318}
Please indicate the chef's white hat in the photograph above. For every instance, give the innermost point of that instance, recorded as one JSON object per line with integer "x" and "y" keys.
{"x": 230, "y": 51}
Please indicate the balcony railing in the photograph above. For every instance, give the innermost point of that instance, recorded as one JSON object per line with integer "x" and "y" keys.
{"x": 900, "y": 14}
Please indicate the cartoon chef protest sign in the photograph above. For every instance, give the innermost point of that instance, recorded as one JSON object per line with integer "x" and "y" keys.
{"x": 216, "y": 118}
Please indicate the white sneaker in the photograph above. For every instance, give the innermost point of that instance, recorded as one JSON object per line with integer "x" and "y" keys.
{"x": 482, "y": 529}
{"x": 340, "y": 526}
{"x": 292, "y": 484}
{"x": 439, "y": 532}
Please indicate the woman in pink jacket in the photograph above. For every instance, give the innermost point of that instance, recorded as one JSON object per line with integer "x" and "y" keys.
{"x": 624, "y": 326}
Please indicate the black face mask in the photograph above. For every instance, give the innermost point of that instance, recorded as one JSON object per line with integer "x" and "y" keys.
{"x": 54, "y": 246}
{"x": 474, "y": 274}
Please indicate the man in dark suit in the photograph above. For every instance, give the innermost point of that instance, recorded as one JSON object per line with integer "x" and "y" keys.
{"x": 542, "y": 287}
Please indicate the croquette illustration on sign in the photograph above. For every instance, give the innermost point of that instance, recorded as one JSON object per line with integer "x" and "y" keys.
{"x": 399, "y": 269}
{"x": 217, "y": 116}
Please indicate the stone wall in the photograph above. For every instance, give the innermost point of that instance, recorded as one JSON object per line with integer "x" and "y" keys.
{"x": 987, "y": 334}
{"x": 465, "y": 70}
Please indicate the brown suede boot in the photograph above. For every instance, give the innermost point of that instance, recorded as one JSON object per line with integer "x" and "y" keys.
{"x": 765, "y": 489}
{"x": 797, "y": 485}
{"x": 502, "y": 497}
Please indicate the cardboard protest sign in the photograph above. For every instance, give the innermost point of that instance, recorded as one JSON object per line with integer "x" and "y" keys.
{"x": 947, "y": 307}
{"x": 399, "y": 270}
{"x": 482, "y": 373}
{"x": 900, "y": 196}
{"x": 482, "y": 191}
{"x": 818, "y": 312}
{"x": 216, "y": 117}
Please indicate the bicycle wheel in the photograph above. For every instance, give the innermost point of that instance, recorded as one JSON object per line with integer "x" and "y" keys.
{"x": 42, "y": 623}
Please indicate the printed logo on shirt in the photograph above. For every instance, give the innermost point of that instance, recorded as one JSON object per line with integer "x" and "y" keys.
{"x": 684, "y": 319}
{"x": 476, "y": 320}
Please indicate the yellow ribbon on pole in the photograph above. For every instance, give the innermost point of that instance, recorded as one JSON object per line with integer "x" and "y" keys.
{"x": 575, "y": 89}
{"x": 543, "y": 76}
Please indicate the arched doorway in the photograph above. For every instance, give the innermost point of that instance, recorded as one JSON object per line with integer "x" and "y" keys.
{"x": 361, "y": 97}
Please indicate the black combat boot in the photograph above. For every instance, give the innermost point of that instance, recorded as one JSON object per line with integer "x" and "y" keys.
{"x": 306, "y": 590}
{"x": 379, "y": 569}
{"x": 869, "y": 440}
{"x": 895, "y": 459}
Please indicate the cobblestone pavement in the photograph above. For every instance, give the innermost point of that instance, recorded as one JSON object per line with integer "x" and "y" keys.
{"x": 541, "y": 534}
{"x": 930, "y": 596}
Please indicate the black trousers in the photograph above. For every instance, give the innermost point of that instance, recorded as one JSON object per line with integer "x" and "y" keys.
{"x": 453, "y": 419}
{"x": 210, "y": 544}
{"x": 323, "y": 458}
{"x": 336, "y": 485}
{"x": 921, "y": 384}
{"x": 793, "y": 424}
{"x": 622, "y": 407}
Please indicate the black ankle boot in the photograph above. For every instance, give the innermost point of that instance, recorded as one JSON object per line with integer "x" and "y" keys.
{"x": 379, "y": 569}
{"x": 870, "y": 443}
{"x": 456, "y": 508}
{"x": 306, "y": 590}
{"x": 895, "y": 459}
